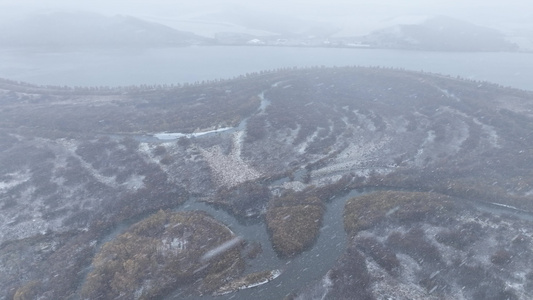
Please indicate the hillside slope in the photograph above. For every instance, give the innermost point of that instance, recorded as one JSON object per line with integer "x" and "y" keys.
{"x": 278, "y": 147}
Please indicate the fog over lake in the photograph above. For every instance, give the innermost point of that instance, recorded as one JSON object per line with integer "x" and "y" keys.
{"x": 119, "y": 67}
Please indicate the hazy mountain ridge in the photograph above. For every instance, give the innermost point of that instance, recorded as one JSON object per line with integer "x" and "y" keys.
{"x": 431, "y": 33}
{"x": 423, "y": 33}
{"x": 92, "y": 30}
{"x": 77, "y": 163}
{"x": 440, "y": 34}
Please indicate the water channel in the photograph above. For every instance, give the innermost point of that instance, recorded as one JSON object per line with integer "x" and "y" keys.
{"x": 298, "y": 271}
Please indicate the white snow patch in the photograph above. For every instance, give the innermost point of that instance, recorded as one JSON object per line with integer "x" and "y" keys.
{"x": 449, "y": 94}
{"x": 491, "y": 133}
{"x": 507, "y": 206}
{"x": 177, "y": 135}
{"x": 173, "y": 246}
{"x": 145, "y": 148}
{"x": 429, "y": 140}
{"x": 296, "y": 186}
{"x": 17, "y": 178}
{"x": 275, "y": 84}
{"x": 365, "y": 122}
{"x": 229, "y": 170}
{"x": 355, "y": 158}
{"x": 264, "y": 103}
{"x": 303, "y": 145}
{"x": 288, "y": 135}
{"x": 135, "y": 182}
{"x": 71, "y": 147}
{"x": 180, "y": 244}
{"x": 273, "y": 275}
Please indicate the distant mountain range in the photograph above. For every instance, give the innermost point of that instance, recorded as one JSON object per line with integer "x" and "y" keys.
{"x": 88, "y": 29}
{"x": 440, "y": 33}
{"x": 61, "y": 29}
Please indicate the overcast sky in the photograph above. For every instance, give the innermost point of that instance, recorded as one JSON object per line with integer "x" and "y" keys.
{"x": 493, "y": 13}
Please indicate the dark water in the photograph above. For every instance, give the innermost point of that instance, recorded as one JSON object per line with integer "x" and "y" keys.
{"x": 191, "y": 64}
{"x": 297, "y": 272}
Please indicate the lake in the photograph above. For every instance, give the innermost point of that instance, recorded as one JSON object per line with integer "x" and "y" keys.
{"x": 118, "y": 67}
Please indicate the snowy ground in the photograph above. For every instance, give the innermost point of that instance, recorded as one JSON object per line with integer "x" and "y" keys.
{"x": 229, "y": 170}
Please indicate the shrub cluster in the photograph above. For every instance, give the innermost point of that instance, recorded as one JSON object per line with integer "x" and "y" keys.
{"x": 294, "y": 221}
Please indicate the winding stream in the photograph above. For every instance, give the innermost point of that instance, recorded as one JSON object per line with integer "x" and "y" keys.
{"x": 297, "y": 272}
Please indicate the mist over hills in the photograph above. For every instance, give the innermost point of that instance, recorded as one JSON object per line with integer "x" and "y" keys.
{"x": 92, "y": 30}
{"x": 440, "y": 34}
{"x": 62, "y": 29}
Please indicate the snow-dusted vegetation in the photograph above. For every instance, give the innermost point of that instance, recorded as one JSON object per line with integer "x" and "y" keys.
{"x": 80, "y": 166}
